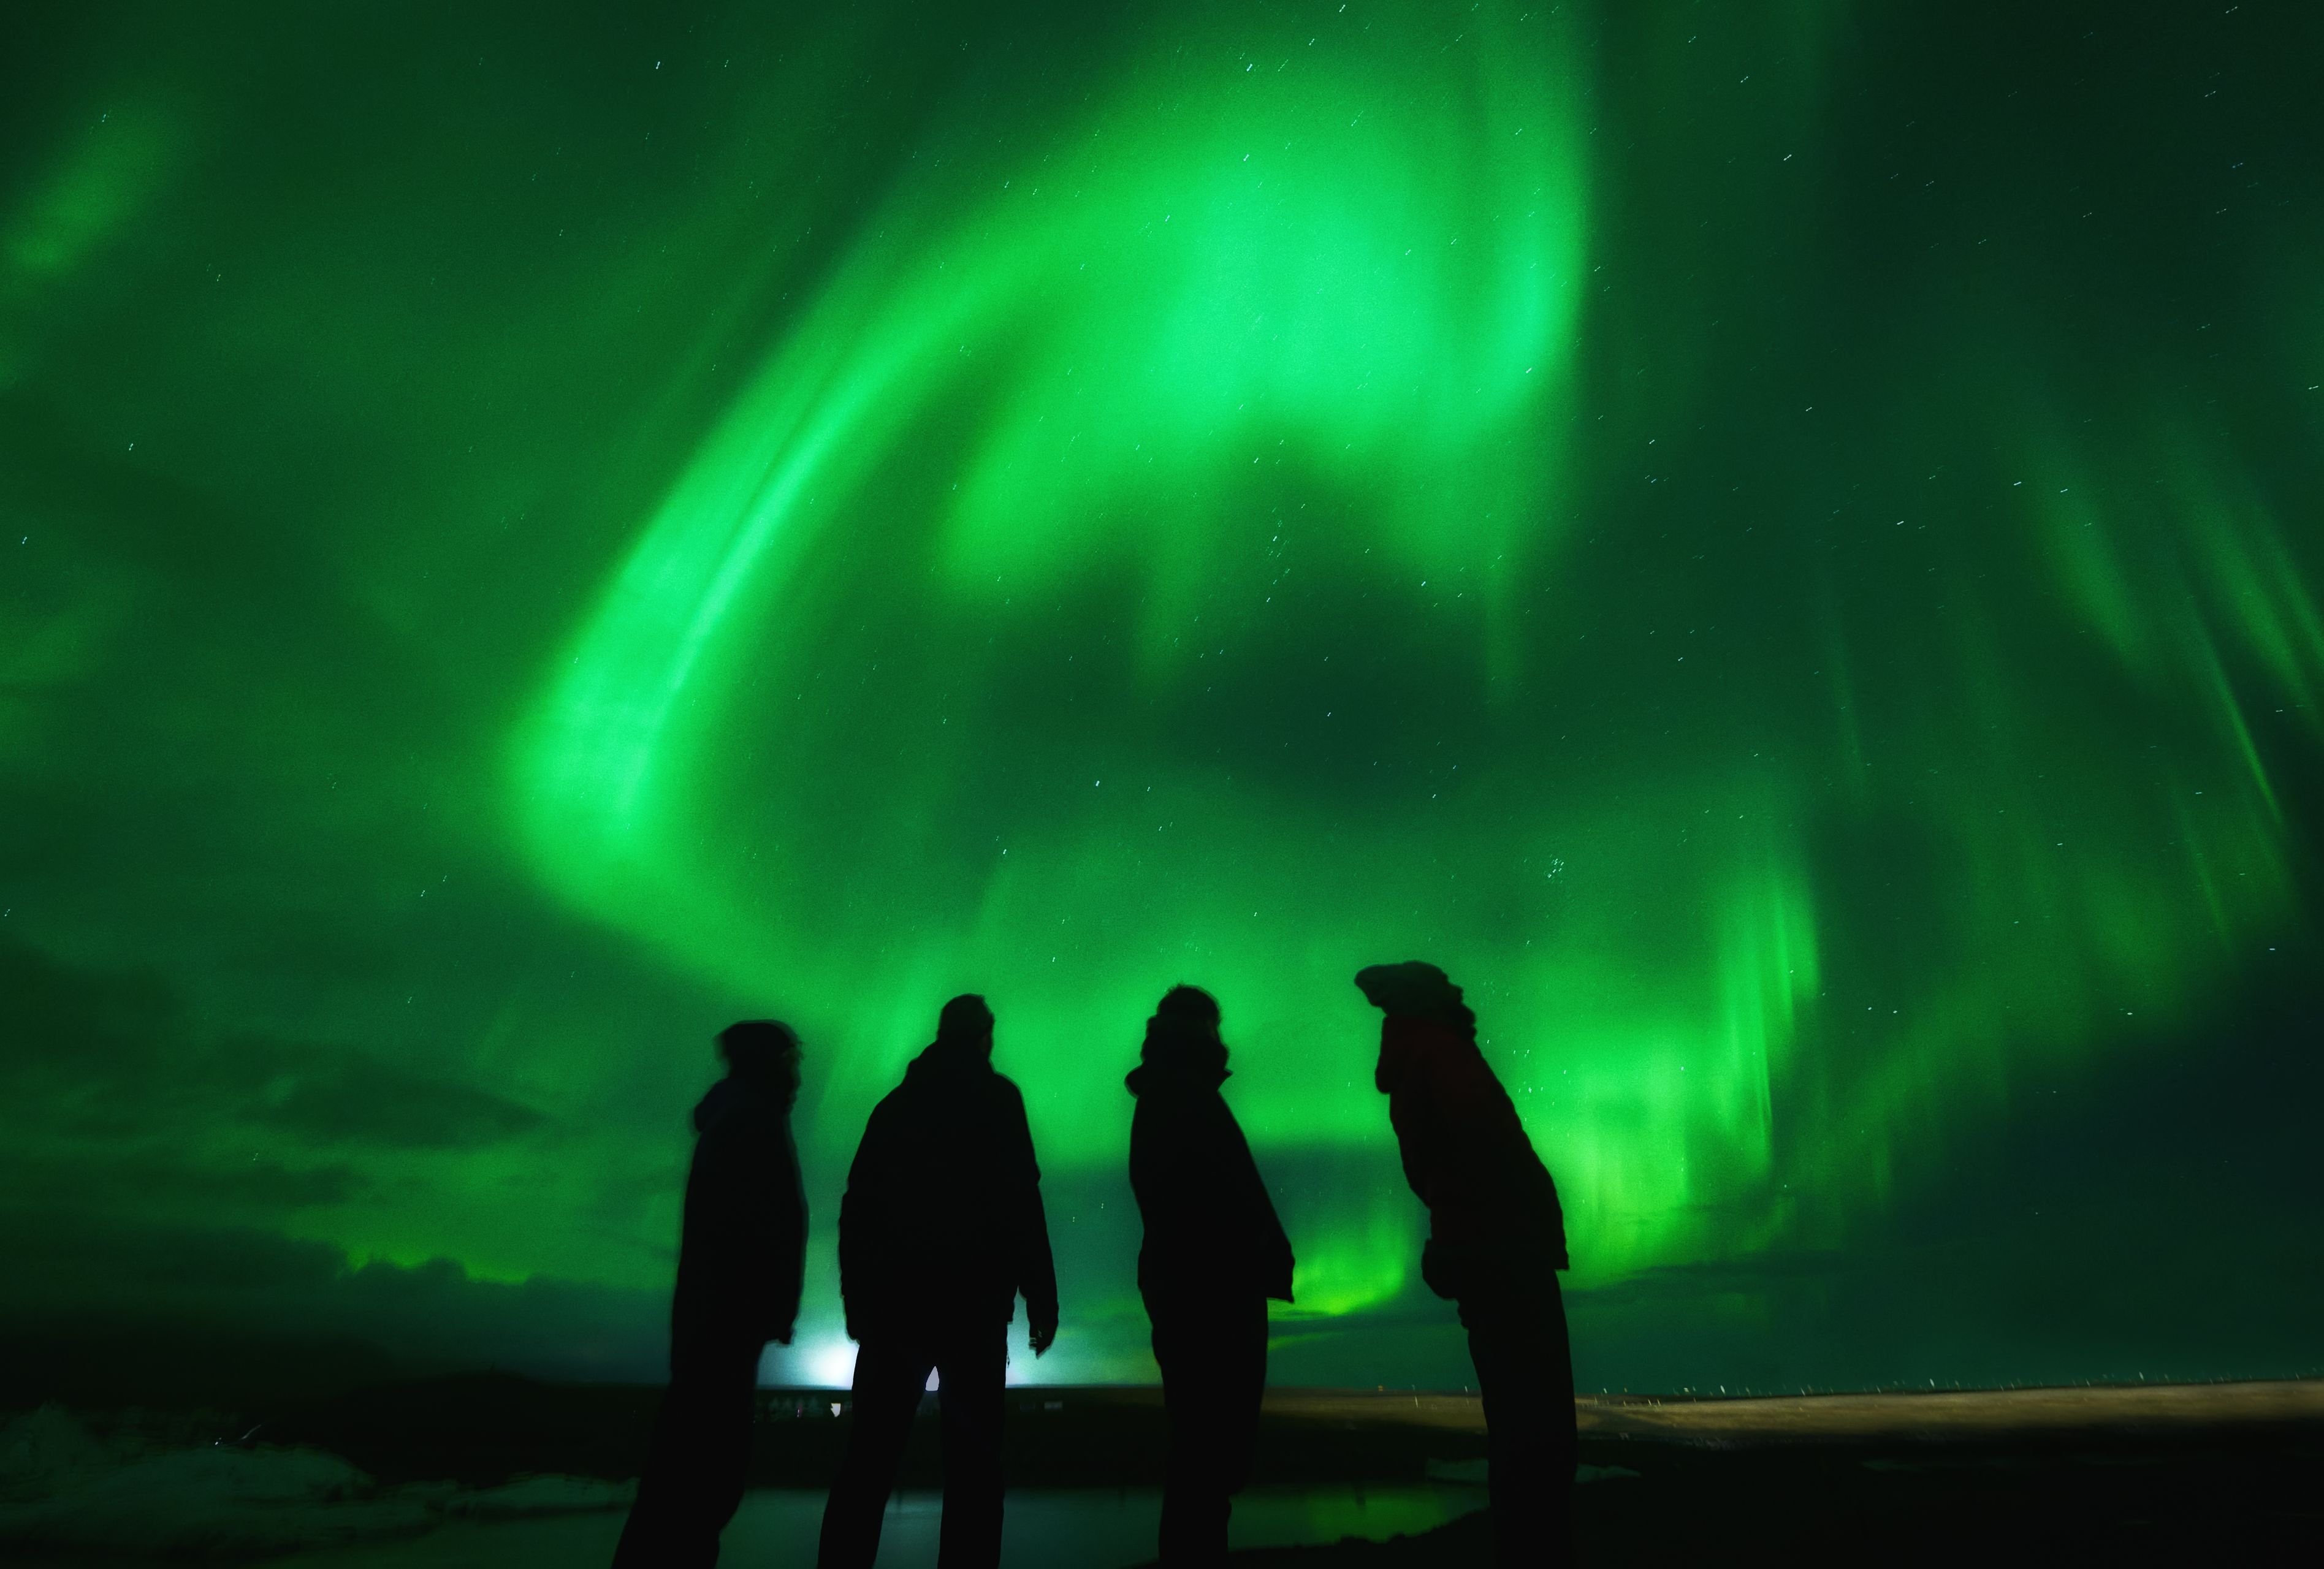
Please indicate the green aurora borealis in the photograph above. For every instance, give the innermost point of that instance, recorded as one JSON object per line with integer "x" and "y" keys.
{"x": 1778, "y": 543}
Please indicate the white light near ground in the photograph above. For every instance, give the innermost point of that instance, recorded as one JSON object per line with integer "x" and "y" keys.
{"x": 828, "y": 1365}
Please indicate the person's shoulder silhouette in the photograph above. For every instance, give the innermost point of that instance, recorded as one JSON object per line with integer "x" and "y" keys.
{"x": 943, "y": 1211}
{"x": 1210, "y": 1224}
{"x": 742, "y": 1245}
{"x": 940, "y": 1230}
{"x": 1492, "y": 1202}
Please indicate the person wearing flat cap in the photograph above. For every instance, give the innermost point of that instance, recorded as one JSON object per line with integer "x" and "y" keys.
{"x": 1496, "y": 1241}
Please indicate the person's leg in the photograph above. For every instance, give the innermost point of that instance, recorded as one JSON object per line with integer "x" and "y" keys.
{"x": 971, "y": 1377}
{"x": 1562, "y": 1439}
{"x": 699, "y": 1458}
{"x": 889, "y": 1377}
{"x": 1181, "y": 1528}
{"x": 729, "y": 1430}
{"x": 1517, "y": 1338}
{"x": 645, "y": 1535}
{"x": 1242, "y": 1365}
{"x": 1193, "y": 1347}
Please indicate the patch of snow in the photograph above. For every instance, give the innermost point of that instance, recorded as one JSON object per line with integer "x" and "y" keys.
{"x": 62, "y": 1488}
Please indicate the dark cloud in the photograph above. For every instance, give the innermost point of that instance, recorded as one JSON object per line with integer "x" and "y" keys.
{"x": 114, "y": 1057}
{"x": 348, "y": 1096}
{"x": 144, "y": 1309}
{"x": 77, "y": 1177}
{"x": 136, "y": 1228}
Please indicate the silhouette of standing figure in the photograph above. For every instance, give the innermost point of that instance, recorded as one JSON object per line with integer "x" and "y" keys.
{"x": 940, "y": 1229}
{"x": 1214, "y": 1254}
{"x": 740, "y": 1259}
{"x": 1496, "y": 1240}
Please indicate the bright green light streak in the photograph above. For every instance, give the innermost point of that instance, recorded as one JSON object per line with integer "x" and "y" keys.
{"x": 1323, "y": 261}
{"x": 1370, "y": 267}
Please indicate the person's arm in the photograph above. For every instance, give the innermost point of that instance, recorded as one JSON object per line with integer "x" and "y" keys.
{"x": 1146, "y": 1178}
{"x": 1158, "y": 1171}
{"x": 787, "y": 1237}
{"x": 1559, "y": 1258}
{"x": 1269, "y": 1248}
{"x": 1037, "y": 1267}
{"x": 1412, "y": 1113}
{"x": 747, "y": 1161}
{"x": 863, "y": 1225}
{"x": 1509, "y": 1166}
{"x": 1550, "y": 1215}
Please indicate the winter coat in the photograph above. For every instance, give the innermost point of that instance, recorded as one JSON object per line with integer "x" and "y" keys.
{"x": 743, "y": 1251}
{"x": 1210, "y": 1228}
{"x": 942, "y": 1224}
{"x": 1492, "y": 1209}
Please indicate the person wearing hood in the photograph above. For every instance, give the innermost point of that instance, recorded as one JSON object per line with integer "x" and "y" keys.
{"x": 939, "y": 1232}
{"x": 1214, "y": 1254}
{"x": 1496, "y": 1240}
{"x": 741, "y": 1259}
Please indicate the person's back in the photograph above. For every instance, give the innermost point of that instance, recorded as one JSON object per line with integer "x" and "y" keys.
{"x": 940, "y": 1230}
{"x": 1496, "y": 1240}
{"x": 1210, "y": 1225}
{"x": 1214, "y": 1254}
{"x": 1492, "y": 1207}
{"x": 741, "y": 1254}
{"x": 741, "y": 1248}
{"x": 941, "y": 1220}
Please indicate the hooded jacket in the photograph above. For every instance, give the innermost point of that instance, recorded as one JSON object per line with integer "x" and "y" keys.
{"x": 942, "y": 1224}
{"x": 743, "y": 1251}
{"x": 1210, "y": 1228}
{"x": 1492, "y": 1208}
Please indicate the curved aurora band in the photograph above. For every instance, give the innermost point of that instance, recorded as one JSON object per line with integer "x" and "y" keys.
{"x": 940, "y": 666}
{"x": 1267, "y": 289}
{"x": 1778, "y": 543}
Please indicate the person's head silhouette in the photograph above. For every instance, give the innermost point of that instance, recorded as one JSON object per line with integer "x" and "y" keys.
{"x": 761, "y": 1049}
{"x": 1416, "y": 990}
{"x": 1182, "y": 1041}
{"x": 1190, "y": 1007}
{"x": 966, "y": 1024}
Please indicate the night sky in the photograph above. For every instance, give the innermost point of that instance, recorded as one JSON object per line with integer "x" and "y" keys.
{"x": 1783, "y": 545}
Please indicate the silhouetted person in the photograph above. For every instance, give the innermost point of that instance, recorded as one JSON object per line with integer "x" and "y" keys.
{"x": 740, "y": 1259}
{"x": 940, "y": 1230}
{"x": 1214, "y": 1254}
{"x": 1496, "y": 1240}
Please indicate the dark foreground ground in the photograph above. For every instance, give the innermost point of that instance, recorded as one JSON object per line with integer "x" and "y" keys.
{"x": 532, "y": 1473}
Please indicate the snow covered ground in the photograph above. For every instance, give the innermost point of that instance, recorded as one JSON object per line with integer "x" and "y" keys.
{"x": 67, "y": 1492}
{"x": 68, "y": 1496}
